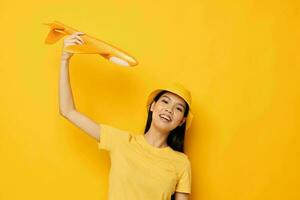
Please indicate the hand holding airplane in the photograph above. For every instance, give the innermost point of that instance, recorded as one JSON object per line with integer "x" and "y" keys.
{"x": 91, "y": 45}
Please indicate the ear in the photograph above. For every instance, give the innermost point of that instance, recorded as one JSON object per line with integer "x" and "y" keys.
{"x": 182, "y": 121}
{"x": 152, "y": 106}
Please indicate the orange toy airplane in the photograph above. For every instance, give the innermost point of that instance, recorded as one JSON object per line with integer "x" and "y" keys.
{"x": 91, "y": 45}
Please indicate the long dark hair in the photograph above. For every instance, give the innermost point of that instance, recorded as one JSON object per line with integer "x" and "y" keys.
{"x": 176, "y": 136}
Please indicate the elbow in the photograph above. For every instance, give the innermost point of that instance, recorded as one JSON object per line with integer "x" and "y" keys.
{"x": 63, "y": 113}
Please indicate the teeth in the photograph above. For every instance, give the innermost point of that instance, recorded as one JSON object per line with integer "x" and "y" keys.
{"x": 165, "y": 117}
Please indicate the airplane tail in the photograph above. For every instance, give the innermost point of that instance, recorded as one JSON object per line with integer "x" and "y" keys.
{"x": 56, "y": 33}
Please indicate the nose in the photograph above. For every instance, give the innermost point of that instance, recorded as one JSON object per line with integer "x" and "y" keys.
{"x": 168, "y": 109}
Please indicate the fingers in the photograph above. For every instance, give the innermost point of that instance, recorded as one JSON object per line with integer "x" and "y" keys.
{"x": 74, "y": 38}
{"x": 79, "y": 38}
{"x": 74, "y": 41}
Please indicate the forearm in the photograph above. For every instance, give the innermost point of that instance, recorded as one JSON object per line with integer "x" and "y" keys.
{"x": 66, "y": 102}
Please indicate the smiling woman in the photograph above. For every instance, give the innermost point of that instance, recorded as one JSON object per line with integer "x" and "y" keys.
{"x": 152, "y": 165}
{"x": 149, "y": 165}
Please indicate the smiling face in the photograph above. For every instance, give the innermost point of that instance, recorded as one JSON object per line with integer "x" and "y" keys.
{"x": 168, "y": 112}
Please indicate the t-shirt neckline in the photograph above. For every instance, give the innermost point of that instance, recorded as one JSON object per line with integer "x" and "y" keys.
{"x": 151, "y": 147}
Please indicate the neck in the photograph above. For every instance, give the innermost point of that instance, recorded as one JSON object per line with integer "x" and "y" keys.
{"x": 156, "y": 137}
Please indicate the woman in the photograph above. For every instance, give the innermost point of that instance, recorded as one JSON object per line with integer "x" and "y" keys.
{"x": 143, "y": 166}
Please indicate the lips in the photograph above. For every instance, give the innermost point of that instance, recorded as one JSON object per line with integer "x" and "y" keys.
{"x": 166, "y": 117}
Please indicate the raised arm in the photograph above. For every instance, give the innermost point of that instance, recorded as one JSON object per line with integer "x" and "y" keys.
{"x": 66, "y": 103}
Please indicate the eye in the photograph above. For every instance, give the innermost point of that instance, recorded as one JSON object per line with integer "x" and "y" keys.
{"x": 164, "y": 101}
{"x": 179, "y": 109}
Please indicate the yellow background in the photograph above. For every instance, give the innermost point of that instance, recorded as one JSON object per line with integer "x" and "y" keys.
{"x": 240, "y": 59}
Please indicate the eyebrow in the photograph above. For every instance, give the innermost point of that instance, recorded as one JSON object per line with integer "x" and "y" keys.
{"x": 170, "y": 98}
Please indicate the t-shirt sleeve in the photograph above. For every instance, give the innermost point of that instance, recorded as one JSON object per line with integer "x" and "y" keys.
{"x": 112, "y": 137}
{"x": 185, "y": 179}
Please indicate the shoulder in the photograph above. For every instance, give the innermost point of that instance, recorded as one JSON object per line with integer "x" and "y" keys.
{"x": 182, "y": 156}
{"x": 115, "y": 130}
{"x": 181, "y": 159}
{"x": 111, "y": 136}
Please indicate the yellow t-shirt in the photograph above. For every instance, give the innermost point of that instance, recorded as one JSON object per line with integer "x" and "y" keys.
{"x": 140, "y": 171}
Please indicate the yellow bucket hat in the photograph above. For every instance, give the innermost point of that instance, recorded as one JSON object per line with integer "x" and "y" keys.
{"x": 181, "y": 91}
